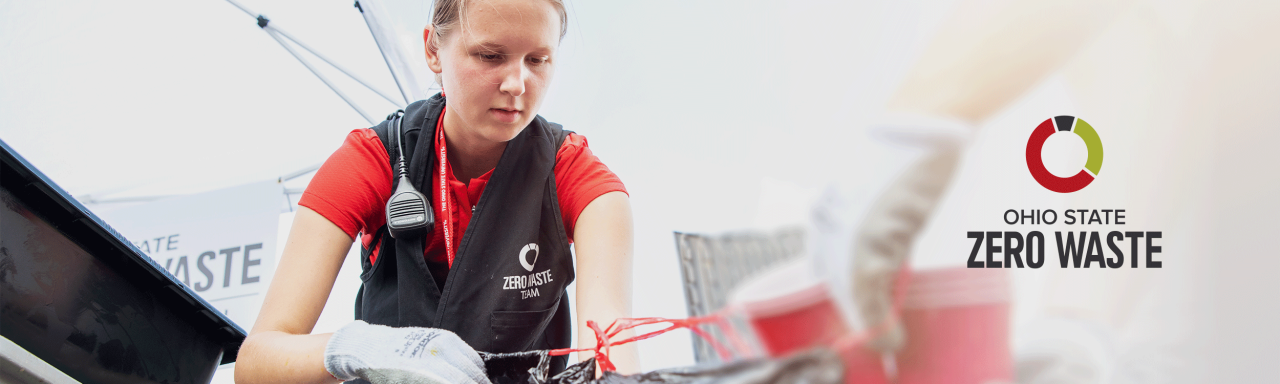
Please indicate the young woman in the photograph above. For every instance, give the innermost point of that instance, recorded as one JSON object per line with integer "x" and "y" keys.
{"x": 509, "y": 191}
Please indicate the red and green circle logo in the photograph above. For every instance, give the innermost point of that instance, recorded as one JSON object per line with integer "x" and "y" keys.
{"x": 1091, "y": 166}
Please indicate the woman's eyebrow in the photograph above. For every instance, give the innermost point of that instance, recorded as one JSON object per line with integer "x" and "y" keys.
{"x": 495, "y": 47}
{"x": 490, "y": 46}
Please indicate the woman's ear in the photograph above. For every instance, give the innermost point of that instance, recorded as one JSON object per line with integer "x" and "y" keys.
{"x": 433, "y": 52}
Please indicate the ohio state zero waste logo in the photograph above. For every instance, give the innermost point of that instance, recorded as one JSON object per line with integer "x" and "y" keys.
{"x": 1091, "y": 166}
{"x": 1023, "y": 245}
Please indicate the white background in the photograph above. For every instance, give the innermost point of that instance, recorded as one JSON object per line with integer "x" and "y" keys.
{"x": 722, "y": 116}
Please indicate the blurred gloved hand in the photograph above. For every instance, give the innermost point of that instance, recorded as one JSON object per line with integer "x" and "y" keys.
{"x": 882, "y": 243}
{"x": 382, "y": 354}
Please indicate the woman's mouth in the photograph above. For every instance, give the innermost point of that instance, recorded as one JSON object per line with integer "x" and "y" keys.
{"x": 505, "y": 115}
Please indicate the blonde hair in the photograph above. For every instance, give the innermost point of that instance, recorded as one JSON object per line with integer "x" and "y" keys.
{"x": 446, "y": 16}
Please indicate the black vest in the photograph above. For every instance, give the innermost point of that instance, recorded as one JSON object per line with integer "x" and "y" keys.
{"x": 506, "y": 289}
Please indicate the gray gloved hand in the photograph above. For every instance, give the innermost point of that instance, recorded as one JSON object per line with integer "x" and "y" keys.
{"x": 382, "y": 354}
{"x": 882, "y": 243}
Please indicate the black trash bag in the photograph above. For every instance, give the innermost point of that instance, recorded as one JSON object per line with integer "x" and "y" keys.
{"x": 818, "y": 366}
{"x": 532, "y": 367}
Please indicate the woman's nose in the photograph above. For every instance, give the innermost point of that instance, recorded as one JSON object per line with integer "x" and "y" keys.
{"x": 513, "y": 78}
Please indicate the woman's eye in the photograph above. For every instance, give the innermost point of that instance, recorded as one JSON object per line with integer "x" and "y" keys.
{"x": 491, "y": 56}
{"x": 537, "y": 60}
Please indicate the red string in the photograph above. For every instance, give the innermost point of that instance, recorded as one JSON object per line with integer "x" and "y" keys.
{"x": 604, "y": 336}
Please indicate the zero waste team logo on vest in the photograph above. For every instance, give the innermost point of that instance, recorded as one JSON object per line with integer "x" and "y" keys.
{"x": 524, "y": 256}
{"x": 1091, "y": 166}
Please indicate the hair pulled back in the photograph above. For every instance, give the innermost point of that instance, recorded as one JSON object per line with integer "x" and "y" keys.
{"x": 446, "y": 17}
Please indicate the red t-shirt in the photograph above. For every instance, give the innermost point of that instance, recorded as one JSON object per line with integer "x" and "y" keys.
{"x": 352, "y": 187}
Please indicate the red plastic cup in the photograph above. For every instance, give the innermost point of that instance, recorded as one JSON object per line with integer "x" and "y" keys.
{"x": 790, "y": 311}
{"x": 957, "y": 326}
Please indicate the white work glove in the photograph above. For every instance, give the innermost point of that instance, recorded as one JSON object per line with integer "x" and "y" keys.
{"x": 382, "y": 354}
{"x": 882, "y": 243}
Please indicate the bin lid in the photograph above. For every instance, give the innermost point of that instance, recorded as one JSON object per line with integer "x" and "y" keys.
{"x": 44, "y": 198}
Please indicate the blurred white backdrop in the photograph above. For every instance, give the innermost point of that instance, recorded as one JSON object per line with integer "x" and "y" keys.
{"x": 718, "y": 116}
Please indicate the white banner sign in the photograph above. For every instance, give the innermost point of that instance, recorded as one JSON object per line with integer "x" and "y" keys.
{"x": 221, "y": 244}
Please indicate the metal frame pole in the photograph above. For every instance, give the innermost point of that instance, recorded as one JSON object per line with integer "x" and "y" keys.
{"x": 382, "y": 51}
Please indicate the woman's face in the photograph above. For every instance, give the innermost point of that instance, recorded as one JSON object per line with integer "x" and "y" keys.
{"x": 496, "y": 65}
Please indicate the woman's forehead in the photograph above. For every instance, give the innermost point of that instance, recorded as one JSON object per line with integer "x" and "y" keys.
{"x": 511, "y": 23}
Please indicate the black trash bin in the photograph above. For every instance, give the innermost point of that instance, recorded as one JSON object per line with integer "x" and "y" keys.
{"x": 76, "y": 294}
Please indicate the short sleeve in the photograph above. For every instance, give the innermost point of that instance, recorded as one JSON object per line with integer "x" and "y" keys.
{"x": 353, "y": 185}
{"x": 580, "y": 178}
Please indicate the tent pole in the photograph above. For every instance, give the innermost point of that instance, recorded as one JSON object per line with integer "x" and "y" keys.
{"x": 383, "y": 51}
{"x": 332, "y": 64}
{"x": 321, "y": 77}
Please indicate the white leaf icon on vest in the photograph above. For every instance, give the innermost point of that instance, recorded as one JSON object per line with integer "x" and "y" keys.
{"x": 524, "y": 259}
